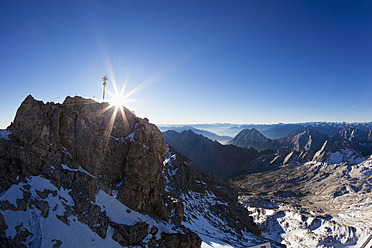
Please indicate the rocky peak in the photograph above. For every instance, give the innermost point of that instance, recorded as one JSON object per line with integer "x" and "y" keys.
{"x": 110, "y": 144}
{"x": 309, "y": 139}
{"x": 251, "y": 137}
{"x": 357, "y": 139}
{"x": 86, "y": 162}
{"x": 355, "y": 134}
{"x": 335, "y": 152}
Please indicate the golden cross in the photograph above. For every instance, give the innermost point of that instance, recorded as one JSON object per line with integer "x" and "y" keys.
{"x": 104, "y": 86}
{"x": 104, "y": 80}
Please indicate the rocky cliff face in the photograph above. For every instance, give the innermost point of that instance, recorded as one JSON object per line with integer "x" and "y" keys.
{"x": 71, "y": 162}
{"x": 107, "y": 146}
{"x": 307, "y": 140}
{"x": 357, "y": 139}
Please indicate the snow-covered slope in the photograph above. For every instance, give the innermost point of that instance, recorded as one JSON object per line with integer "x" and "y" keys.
{"x": 35, "y": 214}
{"x": 211, "y": 209}
{"x": 317, "y": 204}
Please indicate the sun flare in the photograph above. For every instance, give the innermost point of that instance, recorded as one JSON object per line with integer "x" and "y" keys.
{"x": 117, "y": 100}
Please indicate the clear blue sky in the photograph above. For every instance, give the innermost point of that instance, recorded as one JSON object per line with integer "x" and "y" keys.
{"x": 193, "y": 61}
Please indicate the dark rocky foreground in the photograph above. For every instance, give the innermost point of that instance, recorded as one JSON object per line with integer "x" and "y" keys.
{"x": 84, "y": 153}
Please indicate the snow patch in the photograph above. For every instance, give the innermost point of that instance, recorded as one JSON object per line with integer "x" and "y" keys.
{"x": 121, "y": 214}
{"x": 80, "y": 169}
{"x": 4, "y": 134}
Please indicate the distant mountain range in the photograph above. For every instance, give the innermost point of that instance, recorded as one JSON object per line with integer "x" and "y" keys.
{"x": 205, "y": 133}
{"x": 210, "y": 156}
{"x": 250, "y": 151}
{"x": 309, "y": 139}
{"x": 271, "y": 131}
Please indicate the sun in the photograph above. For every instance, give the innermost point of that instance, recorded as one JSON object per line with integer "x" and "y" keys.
{"x": 117, "y": 100}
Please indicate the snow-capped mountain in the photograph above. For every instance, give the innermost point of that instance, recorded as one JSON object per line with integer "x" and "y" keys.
{"x": 74, "y": 174}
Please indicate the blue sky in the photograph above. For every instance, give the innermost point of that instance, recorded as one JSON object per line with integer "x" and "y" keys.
{"x": 193, "y": 61}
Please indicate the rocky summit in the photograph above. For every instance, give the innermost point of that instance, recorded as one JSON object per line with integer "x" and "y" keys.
{"x": 83, "y": 147}
{"x": 88, "y": 174}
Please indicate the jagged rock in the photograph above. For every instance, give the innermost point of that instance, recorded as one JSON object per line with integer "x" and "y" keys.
{"x": 95, "y": 218}
{"x": 22, "y": 204}
{"x": 3, "y": 225}
{"x": 309, "y": 139}
{"x": 80, "y": 147}
{"x": 21, "y": 236}
{"x": 57, "y": 244}
{"x": 175, "y": 209}
{"x": 154, "y": 230}
{"x": 290, "y": 158}
{"x": 43, "y": 206}
{"x": 337, "y": 152}
{"x": 170, "y": 240}
{"x": 357, "y": 139}
{"x": 305, "y": 156}
{"x": 6, "y": 242}
{"x": 106, "y": 146}
{"x": 6, "y": 205}
{"x": 44, "y": 194}
{"x": 130, "y": 235}
{"x": 64, "y": 219}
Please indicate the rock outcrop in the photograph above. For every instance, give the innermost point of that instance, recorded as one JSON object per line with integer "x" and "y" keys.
{"x": 108, "y": 145}
{"x": 307, "y": 140}
{"x": 357, "y": 139}
{"x": 85, "y": 147}
{"x": 336, "y": 152}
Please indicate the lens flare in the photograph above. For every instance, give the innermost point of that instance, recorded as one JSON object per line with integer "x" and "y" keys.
{"x": 117, "y": 100}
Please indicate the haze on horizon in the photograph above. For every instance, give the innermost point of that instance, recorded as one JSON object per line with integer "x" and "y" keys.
{"x": 193, "y": 61}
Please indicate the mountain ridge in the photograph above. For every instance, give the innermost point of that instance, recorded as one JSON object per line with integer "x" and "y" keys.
{"x": 76, "y": 168}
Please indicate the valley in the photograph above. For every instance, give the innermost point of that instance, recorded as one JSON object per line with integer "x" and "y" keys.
{"x": 312, "y": 190}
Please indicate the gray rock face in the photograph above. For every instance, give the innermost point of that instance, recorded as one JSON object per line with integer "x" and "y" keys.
{"x": 307, "y": 140}
{"x": 43, "y": 206}
{"x": 83, "y": 147}
{"x": 357, "y": 139}
{"x": 170, "y": 240}
{"x": 98, "y": 141}
{"x": 337, "y": 152}
{"x": 129, "y": 235}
